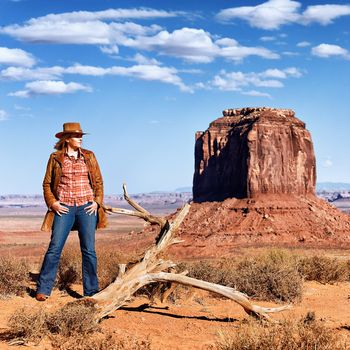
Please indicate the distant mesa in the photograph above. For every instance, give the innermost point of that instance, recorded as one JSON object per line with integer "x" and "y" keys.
{"x": 250, "y": 151}
{"x": 254, "y": 185}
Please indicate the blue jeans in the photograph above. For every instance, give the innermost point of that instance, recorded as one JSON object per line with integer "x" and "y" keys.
{"x": 62, "y": 225}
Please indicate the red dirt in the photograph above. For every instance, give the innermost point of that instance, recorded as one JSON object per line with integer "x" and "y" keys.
{"x": 194, "y": 321}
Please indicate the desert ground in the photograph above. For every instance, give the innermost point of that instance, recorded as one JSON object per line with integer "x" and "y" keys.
{"x": 193, "y": 320}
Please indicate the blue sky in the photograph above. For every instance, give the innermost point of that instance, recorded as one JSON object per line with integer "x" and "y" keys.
{"x": 143, "y": 76}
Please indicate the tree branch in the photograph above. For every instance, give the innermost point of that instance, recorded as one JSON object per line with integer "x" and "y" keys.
{"x": 151, "y": 269}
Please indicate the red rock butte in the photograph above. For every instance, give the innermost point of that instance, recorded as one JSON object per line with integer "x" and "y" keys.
{"x": 250, "y": 151}
{"x": 254, "y": 185}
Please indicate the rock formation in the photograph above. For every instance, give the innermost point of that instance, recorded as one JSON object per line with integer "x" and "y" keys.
{"x": 254, "y": 185}
{"x": 250, "y": 151}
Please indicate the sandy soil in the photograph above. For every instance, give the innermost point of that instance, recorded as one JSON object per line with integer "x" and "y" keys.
{"x": 193, "y": 321}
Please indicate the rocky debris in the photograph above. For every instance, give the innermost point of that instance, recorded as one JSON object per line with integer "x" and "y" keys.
{"x": 215, "y": 229}
{"x": 250, "y": 151}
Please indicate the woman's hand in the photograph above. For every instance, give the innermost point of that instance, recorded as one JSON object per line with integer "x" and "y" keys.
{"x": 92, "y": 208}
{"x": 59, "y": 209}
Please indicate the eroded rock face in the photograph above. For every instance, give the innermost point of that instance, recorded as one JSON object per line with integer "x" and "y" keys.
{"x": 252, "y": 151}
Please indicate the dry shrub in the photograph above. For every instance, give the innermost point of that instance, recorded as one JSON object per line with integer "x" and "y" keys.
{"x": 323, "y": 269}
{"x": 99, "y": 342}
{"x": 305, "y": 334}
{"x": 31, "y": 325}
{"x": 219, "y": 272}
{"x": 83, "y": 342}
{"x": 70, "y": 270}
{"x": 27, "y": 325}
{"x": 14, "y": 276}
{"x": 273, "y": 276}
{"x": 74, "y": 318}
{"x": 108, "y": 266}
{"x": 72, "y": 327}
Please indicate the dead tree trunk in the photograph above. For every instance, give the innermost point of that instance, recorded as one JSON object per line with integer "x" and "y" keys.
{"x": 151, "y": 269}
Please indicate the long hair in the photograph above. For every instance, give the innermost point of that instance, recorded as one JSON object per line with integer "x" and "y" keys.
{"x": 61, "y": 143}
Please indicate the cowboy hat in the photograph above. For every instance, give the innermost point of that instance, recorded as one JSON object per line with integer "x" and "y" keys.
{"x": 70, "y": 128}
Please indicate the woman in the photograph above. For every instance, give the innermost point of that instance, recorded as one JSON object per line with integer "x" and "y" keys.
{"x": 73, "y": 192}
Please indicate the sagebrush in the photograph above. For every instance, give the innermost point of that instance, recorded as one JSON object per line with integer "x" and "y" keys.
{"x": 72, "y": 327}
{"x": 14, "y": 276}
{"x": 70, "y": 269}
{"x": 304, "y": 334}
{"x": 270, "y": 276}
{"x": 323, "y": 269}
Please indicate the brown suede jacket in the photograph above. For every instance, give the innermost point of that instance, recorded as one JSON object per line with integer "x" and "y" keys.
{"x": 52, "y": 180}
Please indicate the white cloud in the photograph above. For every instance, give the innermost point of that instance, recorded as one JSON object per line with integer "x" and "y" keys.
{"x": 196, "y": 45}
{"x": 203, "y": 86}
{"x": 110, "y": 14}
{"x": 86, "y": 70}
{"x": 141, "y": 59}
{"x": 328, "y": 50}
{"x": 293, "y": 72}
{"x": 150, "y": 70}
{"x": 303, "y": 44}
{"x": 191, "y": 44}
{"x": 84, "y": 27}
{"x": 325, "y": 14}
{"x": 281, "y": 74}
{"x": 63, "y": 31}
{"x": 16, "y": 57}
{"x": 20, "y": 73}
{"x": 110, "y": 50}
{"x": 234, "y": 81}
{"x": 290, "y": 53}
{"x": 268, "y": 15}
{"x": 256, "y": 93}
{"x": 270, "y": 78}
{"x": 273, "y": 14}
{"x": 268, "y": 38}
{"x": 232, "y": 50}
{"x": 274, "y": 73}
{"x": 152, "y": 73}
{"x": 3, "y": 115}
{"x": 49, "y": 87}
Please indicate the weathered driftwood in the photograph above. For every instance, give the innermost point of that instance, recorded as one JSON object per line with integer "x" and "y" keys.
{"x": 151, "y": 269}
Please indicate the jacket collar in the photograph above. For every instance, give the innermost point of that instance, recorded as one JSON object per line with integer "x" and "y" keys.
{"x": 59, "y": 155}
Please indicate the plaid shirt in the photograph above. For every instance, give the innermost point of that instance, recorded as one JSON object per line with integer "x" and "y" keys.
{"x": 74, "y": 187}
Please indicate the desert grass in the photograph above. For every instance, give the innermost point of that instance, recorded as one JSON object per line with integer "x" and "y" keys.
{"x": 70, "y": 272}
{"x": 73, "y": 327}
{"x": 14, "y": 276}
{"x": 270, "y": 276}
{"x": 31, "y": 325}
{"x": 275, "y": 275}
{"x": 304, "y": 334}
{"x": 323, "y": 269}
